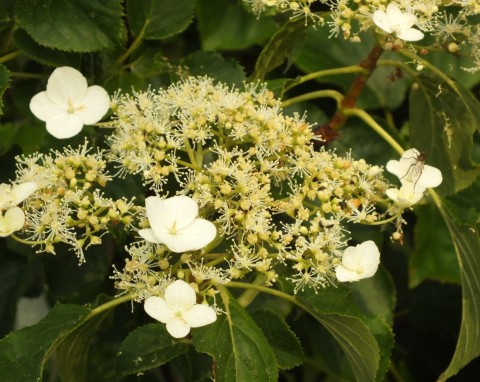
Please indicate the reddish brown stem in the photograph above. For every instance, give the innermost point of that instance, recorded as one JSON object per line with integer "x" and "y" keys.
{"x": 329, "y": 131}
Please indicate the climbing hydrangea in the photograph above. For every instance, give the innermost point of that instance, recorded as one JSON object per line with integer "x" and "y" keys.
{"x": 278, "y": 202}
{"x": 452, "y": 24}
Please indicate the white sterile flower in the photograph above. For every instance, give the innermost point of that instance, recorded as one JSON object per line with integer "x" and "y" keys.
{"x": 411, "y": 169}
{"x": 179, "y": 309}
{"x": 358, "y": 262}
{"x": 174, "y": 222}
{"x": 11, "y": 196}
{"x": 13, "y": 220}
{"x": 406, "y": 196}
{"x": 68, "y": 103}
{"x": 398, "y": 22}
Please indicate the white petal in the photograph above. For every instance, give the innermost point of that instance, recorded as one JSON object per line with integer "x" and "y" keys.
{"x": 431, "y": 177}
{"x": 44, "y": 108}
{"x": 177, "y": 328}
{"x": 200, "y": 315}
{"x": 158, "y": 219}
{"x": 351, "y": 258}
{"x": 93, "y": 106}
{"x": 394, "y": 14}
{"x": 174, "y": 242}
{"x": 410, "y": 153}
{"x": 197, "y": 235}
{"x": 345, "y": 275}
{"x": 410, "y": 35}
{"x": 64, "y": 125}
{"x": 66, "y": 85}
{"x": 149, "y": 235}
{"x": 394, "y": 167}
{"x": 22, "y": 191}
{"x": 370, "y": 258}
{"x": 392, "y": 193}
{"x": 180, "y": 209}
{"x": 15, "y": 218}
{"x": 407, "y": 20}
{"x": 380, "y": 19}
{"x": 180, "y": 296}
{"x": 157, "y": 308}
{"x": 12, "y": 221}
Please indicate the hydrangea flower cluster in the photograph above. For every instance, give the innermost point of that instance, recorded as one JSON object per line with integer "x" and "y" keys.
{"x": 240, "y": 193}
{"x": 68, "y": 206}
{"x": 253, "y": 171}
{"x": 397, "y": 21}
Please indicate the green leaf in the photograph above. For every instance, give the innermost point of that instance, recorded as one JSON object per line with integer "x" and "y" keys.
{"x": 72, "y": 353}
{"x": 73, "y": 25}
{"x": 442, "y": 123}
{"x": 37, "y": 52}
{"x": 214, "y": 65}
{"x": 282, "y": 46}
{"x": 467, "y": 247}
{"x": 376, "y": 295}
{"x": 452, "y": 65}
{"x": 12, "y": 269}
{"x": 225, "y": 24}
{"x": 365, "y": 340}
{"x": 192, "y": 366}
{"x": 159, "y": 19}
{"x": 70, "y": 282}
{"x": 4, "y": 82}
{"x": 24, "y": 353}
{"x": 23, "y": 134}
{"x": 467, "y": 204}
{"x": 283, "y": 341}
{"x": 147, "y": 347}
{"x": 240, "y": 350}
{"x": 320, "y": 52}
{"x": 432, "y": 259}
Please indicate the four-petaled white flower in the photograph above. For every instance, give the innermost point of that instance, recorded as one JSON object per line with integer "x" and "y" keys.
{"x": 412, "y": 170}
{"x": 68, "y": 103}
{"x": 358, "y": 262}
{"x": 13, "y": 219}
{"x": 174, "y": 222}
{"x": 393, "y": 20}
{"x": 179, "y": 309}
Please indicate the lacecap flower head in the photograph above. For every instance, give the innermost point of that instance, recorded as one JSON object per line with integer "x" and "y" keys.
{"x": 68, "y": 103}
{"x": 358, "y": 262}
{"x": 179, "y": 309}
{"x": 175, "y": 223}
{"x": 393, "y": 20}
